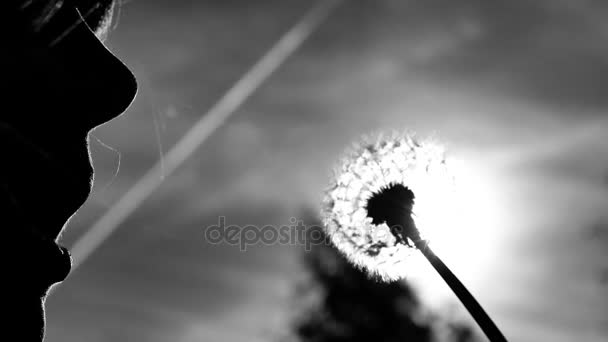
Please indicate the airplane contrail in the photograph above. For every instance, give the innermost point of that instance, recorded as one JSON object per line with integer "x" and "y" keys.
{"x": 206, "y": 125}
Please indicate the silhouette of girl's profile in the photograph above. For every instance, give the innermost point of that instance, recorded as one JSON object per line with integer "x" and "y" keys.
{"x": 58, "y": 82}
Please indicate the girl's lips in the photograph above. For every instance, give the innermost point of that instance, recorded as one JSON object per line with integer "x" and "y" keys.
{"x": 45, "y": 191}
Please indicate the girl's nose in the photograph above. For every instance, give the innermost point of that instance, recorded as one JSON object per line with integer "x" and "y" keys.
{"x": 99, "y": 84}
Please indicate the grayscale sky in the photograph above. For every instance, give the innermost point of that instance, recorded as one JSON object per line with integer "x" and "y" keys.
{"x": 517, "y": 90}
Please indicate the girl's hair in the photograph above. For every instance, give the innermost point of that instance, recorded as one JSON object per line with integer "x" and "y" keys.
{"x": 33, "y": 16}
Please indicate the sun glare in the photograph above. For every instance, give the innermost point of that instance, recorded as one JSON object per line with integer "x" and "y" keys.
{"x": 458, "y": 219}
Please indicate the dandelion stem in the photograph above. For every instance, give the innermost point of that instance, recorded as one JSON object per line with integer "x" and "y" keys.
{"x": 470, "y": 303}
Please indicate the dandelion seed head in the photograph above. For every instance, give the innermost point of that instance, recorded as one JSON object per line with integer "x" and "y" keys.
{"x": 378, "y": 173}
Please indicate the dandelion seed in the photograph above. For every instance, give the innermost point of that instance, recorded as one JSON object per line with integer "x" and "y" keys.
{"x": 379, "y": 184}
{"x": 380, "y": 206}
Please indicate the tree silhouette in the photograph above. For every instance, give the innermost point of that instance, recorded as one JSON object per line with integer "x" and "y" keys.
{"x": 341, "y": 303}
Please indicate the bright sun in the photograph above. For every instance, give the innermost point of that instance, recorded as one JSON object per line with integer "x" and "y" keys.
{"x": 457, "y": 220}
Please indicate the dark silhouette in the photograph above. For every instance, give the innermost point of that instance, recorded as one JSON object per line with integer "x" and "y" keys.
{"x": 350, "y": 306}
{"x": 393, "y": 205}
{"x": 58, "y": 82}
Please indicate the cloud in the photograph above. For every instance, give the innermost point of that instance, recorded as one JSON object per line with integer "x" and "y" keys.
{"x": 490, "y": 76}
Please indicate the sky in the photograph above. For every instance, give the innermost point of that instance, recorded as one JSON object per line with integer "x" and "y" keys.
{"x": 516, "y": 90}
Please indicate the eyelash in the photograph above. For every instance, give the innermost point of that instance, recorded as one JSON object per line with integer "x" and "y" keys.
{"x": 42, "y": 15}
